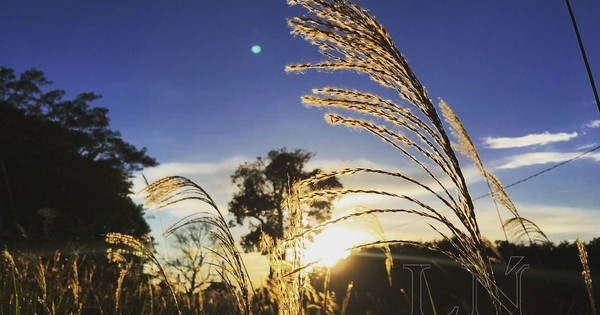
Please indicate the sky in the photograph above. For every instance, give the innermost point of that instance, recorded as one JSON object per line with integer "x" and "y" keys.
{"x": 183, "y": 80}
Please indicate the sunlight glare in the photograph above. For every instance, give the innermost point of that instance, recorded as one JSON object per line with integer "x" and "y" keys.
{"x": 332, "y": 244}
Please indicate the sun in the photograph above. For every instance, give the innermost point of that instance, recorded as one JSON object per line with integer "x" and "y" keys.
{"x": 332, "y": 245}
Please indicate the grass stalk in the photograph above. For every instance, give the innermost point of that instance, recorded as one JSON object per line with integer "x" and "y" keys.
{"x": 351, "y": 39}
{"x": 429, "y": 294}
{"x": 587, "y": 277}
{"x": 347, "y": 298}
{"x": 174, "y": 189}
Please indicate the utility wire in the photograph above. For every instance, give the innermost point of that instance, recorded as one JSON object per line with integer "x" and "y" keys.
{"x": 521, "y": 180}
{"x": 585, "y": 60}
{"x": 544, "y": 171}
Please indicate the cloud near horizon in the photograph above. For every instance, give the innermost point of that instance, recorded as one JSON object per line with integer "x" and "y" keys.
{"x": 527, "y": 140}
{"x": 593, "y": 124}
{"x": 528, "y": 159}
{"x": 214, "y": 178}
{"x": 559, "y": 223}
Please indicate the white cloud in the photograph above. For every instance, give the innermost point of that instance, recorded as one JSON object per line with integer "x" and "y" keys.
{"x": 328, "y": 164}
{"x": 562, "y": 222}
{"x": 193, "y": 168}
{"x": 214, "y": 177}
{"x": 593, "y": 124}
{"x": 587, "y": 146}
{"x": 528, "y": 140}
{"x": 559, "y": 223}
{"x": 536, "y": 158}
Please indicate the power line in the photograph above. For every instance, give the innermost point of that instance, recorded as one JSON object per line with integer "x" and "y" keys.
{"x": 544, "y": 171}
{"x": 519, "y": 181}
{"x": 583, "y": 54}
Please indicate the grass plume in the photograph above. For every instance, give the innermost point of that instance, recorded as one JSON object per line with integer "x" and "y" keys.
{"x": 351, "y": 39}
{"x": 288, "y": 280}
{"x": 139, "y": 248}
{"x": 233, "y": 271}
{"x": 587, "y": 277}
{"x": 517, "y": 224}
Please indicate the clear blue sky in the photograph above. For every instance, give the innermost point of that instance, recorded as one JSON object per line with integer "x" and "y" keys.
{"x": 180, "y": 79}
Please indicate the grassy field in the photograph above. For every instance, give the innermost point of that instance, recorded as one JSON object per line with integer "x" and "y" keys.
{"x": 134, "y": 281}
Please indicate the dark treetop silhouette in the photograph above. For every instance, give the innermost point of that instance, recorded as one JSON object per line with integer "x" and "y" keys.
{"x": 64, "y": 174}
{"x": 263, "y": 186}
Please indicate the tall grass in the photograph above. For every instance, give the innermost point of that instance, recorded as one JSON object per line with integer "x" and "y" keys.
{"x": 351, "y": 39}
{"x": 69, "y": 282}
{"x": 232, "y": 269}
{"x": 55, "y": 284}
{"x": 587, "y": 278}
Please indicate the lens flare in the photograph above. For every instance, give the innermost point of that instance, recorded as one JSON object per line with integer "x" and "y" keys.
{"x": 256, "y": 49}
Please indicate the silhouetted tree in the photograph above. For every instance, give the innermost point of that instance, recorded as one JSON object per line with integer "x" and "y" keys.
{"x": 64, "y": 174}
{"x": 263, "y": 185}
{"x": 191, "y": 262}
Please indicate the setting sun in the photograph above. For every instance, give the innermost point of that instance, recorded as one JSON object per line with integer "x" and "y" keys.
{"x": 333, "y": 244}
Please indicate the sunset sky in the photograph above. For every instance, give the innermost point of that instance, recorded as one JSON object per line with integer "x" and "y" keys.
{"x": 183, "y": 79}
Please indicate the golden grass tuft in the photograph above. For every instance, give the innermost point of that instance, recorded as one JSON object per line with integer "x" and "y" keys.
{"x": 517, "y": 224}
{"x": 288, "y": 279}
{"x": 232, "y": 270}
{"x": 139, "y": 248}
{"x": 351, "y": 39}
{"x": 587, "y": 277}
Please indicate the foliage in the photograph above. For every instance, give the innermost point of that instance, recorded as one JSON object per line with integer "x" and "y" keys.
{"x": 64, "y": 173}
{"x": 263, "y": 188}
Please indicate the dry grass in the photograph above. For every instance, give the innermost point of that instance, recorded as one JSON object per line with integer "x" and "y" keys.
{"x": 71, "y": 283}
{"x": 587, "y": 277}
{"x": 517, "y": 224}
{"x": 139, "y": 248}
{"x": 351, "y": 39}
{"x": 286, "y": 258}
{"x": 232, "y": 269}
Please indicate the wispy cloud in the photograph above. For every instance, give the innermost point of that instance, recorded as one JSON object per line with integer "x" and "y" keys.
{"x": 214, "y": 177}
{"x": 593, "y": 124}
{"x": 563, "y": 222}
{"x": 194, "y": 168}
{"x": 528, "y": 140}
{"x": 587, "y": 146}
{"x": 559, "y": 223}
{"x": 536, "y": 158}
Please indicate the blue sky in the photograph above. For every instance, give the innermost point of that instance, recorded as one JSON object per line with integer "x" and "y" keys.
{"x": 180, "y": 79}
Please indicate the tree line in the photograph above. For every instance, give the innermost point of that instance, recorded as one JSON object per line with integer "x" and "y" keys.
{"x": 64, "y": 173}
